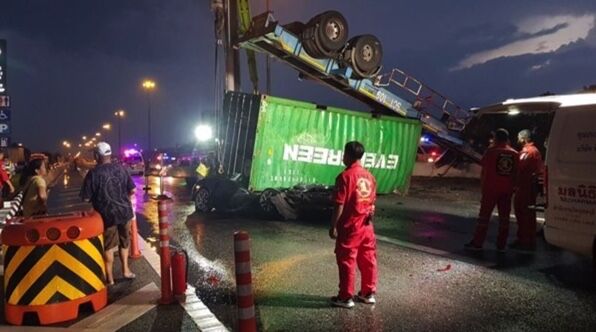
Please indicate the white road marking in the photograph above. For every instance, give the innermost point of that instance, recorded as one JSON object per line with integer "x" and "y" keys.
{"x": 122, "y": 312}
{"x": 435, "y": 252}
{"x": 196, "y": 309}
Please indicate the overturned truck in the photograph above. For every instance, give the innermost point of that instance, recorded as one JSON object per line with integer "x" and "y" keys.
{"x": 281, "y": 156}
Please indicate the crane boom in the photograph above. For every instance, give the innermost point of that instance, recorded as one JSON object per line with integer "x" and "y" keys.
{"x": 440, "y": 116}
{"x": 245, "y": 21}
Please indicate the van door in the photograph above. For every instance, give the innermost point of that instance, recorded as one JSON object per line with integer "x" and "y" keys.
{"x": 571, "y": 161}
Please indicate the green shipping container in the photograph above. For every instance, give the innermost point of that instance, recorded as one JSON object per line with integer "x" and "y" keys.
{"x": 302, "y": 143}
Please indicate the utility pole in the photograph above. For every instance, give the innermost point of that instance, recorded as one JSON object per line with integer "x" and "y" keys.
{"x": 232, "y": 75}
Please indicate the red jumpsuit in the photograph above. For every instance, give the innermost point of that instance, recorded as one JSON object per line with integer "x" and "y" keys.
{"x": 530, "y": 166}
{"x": 3, "y": 179}
{"x": 498, "y": 171}
{"x": 355, "y": 189}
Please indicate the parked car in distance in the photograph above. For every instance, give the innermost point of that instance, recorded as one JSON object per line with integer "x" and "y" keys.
{"x": 428, "y": 151}
{"x": 133, "y": 162}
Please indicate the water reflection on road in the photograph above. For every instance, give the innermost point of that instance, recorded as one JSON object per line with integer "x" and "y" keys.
{"x": 146, "y": 200}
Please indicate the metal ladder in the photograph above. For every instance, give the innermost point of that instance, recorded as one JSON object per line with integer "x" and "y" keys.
{"x": 426, "y": 100}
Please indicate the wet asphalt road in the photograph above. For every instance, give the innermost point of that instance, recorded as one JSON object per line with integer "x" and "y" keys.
{"x": 427, "y": 282}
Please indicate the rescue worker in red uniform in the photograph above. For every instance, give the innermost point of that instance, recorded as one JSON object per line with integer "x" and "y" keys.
{"x": 497, "y": 181}
{"x": 351, "y": 227}
{"x": 530, "y": 167}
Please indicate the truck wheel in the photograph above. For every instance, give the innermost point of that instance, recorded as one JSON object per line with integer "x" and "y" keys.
{"x": 332, "y": 30}
{"x": 202, "y": 200}
{"x": 325, "y": 35}
{"x": 309, "y": 42}
{"x": 364, "y": 54}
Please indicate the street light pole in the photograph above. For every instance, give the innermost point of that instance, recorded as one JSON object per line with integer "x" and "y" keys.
{"x": 119, "y": 115}
{"x": 148, "y": 86}
{"x": 149, "y": 121}
{"x": 119, "y": 135}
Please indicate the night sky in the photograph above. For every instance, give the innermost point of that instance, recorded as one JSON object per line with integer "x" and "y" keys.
{"x": 72, "y": 63}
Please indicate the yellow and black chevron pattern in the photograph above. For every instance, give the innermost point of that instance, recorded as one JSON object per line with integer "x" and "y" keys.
{"x": 45, "y": 274}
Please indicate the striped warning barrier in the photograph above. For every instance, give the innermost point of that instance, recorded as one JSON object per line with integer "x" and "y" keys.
{"x": 52, "y": 264}
{"x": 14, "y": 208}
{"x": 167, "y": 297}
{"x": 245, "y": 300}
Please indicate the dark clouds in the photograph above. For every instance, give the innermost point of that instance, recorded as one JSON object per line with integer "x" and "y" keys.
{"x": 72, "y": 63}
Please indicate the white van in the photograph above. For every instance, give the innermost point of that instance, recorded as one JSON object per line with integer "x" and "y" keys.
{"x": 570, "y": 176}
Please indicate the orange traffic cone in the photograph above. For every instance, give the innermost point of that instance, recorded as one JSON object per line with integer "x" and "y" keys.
{"x": 134, "y": 252}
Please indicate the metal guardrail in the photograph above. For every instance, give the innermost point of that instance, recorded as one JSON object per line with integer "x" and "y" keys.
{"x": 11, "y": 208}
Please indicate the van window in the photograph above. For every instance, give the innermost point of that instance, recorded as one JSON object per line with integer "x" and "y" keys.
{"x": 579, "y": 137}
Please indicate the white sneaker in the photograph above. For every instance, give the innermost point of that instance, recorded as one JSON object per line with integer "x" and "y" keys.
{"x": 336, "y": 302}
{"x": 368, "y": 299}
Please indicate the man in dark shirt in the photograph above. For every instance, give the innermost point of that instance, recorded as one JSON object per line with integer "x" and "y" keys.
{"x": 108, "y": 187}
{"x": 351, "y": 226}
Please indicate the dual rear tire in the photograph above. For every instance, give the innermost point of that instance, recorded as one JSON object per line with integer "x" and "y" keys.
{"x": 364, "y": 54}
{"x": 326, "y": 36}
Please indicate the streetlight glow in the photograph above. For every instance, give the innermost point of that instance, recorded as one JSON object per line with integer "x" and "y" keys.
{"x": 148, "y": 85}
{"x": 98, "y": 134}
{"x": 203, "y": 133}
{"x": 107, "y": 126}
{"x": 84, "y": 138}
{"x": 120, "y": 113}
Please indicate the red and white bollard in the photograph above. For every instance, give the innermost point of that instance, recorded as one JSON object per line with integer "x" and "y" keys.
{"x": 245, "y": 300}
{"x": 164, "y": 257}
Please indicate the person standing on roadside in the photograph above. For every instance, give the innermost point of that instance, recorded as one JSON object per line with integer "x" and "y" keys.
{"x": 34, "y": 187}
{"x": 109, "y": 187}
{"x": 530, "y": 167}
{"x": 497, "y": 180}
{"x": 6, "y": 187}
{"x": 351, "y": 227}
